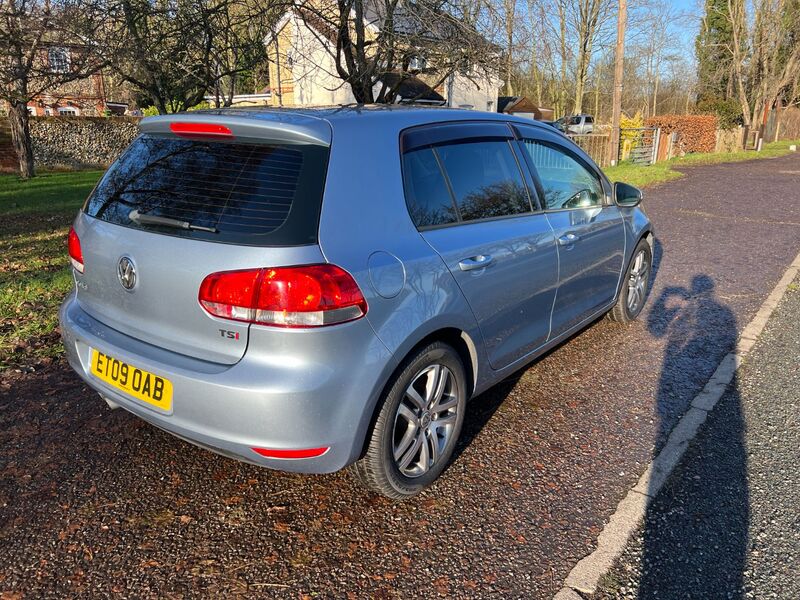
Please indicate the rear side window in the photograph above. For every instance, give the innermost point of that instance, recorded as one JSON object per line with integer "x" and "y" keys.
{"x": 465, "y": 181}
{"x": 485, "y": 179}
{"x": 257, "y": 194}
{"x": 589, "y": 120}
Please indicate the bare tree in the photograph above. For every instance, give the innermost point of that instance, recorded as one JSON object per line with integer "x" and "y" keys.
{"x": 767, "y": 57}
{"x": 44, "y": 46}
{"x": 510, "y": 24}
{"x": 174, "y": 53}
{"x": 588, "y": 19}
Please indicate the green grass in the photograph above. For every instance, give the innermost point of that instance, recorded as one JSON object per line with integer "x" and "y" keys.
{"x": 642, "y": 176}
{"x": 34, "y": 268}
{"x": 47, "y": 192}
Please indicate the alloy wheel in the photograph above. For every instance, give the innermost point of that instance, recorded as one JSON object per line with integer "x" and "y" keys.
{"x": 637, "y": 282}
{"x": 425, "y": 419}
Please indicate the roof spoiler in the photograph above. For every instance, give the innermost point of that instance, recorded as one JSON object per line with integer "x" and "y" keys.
{"x": 259, "y": 127}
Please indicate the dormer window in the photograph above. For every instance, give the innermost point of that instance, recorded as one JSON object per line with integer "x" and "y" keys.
{"x": 417, "y": 63}
{"x": 58, "y": 60}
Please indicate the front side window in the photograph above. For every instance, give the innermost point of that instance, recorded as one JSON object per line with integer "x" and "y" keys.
{"x": 58, "y": 60}
{"x": 485, "y": 179}
{"x": 566, "y": 182}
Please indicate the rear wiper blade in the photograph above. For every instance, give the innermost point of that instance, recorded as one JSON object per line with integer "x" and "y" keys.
{"x": 138, "y": 217}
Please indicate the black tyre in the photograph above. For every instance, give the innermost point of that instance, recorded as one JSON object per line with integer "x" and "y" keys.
{"x": 418, "y": 425}
{"x": 635, "y": 286}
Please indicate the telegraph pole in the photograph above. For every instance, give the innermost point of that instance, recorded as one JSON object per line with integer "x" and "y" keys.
{"x": 616, "y": 110}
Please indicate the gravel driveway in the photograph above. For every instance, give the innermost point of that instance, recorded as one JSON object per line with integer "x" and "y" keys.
{"x": 95, "y": 502}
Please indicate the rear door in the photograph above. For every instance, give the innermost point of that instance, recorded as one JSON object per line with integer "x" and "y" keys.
{"x": 251, "y": 202}
{"x": 471, "y": 202}
{"x": 588, "y": 228}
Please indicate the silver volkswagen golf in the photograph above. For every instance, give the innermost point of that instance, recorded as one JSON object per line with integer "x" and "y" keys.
{"x": 311, "y": 289}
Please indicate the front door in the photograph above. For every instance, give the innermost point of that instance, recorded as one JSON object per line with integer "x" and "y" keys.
{"x": 588, "y": 229}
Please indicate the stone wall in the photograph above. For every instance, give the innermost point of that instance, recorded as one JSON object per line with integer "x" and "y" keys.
{"x": 80, "y": 142}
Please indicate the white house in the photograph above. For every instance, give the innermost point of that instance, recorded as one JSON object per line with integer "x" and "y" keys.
{"x": 302, "y": 72}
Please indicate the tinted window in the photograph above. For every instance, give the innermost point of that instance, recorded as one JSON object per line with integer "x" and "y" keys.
{"x": 589, "y": 120}
{"x": 485, "y": 178}
{"x": 565, "y": 181}
{"x": 251, "y": 194}
{"x": 428, "y": 199}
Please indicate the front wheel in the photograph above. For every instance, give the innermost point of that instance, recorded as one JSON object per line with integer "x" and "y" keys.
{"x": 418, "y": 425}
{"x": 635, "y": 286}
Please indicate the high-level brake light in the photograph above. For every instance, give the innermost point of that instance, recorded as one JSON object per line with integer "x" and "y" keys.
{"x": 200, "y": 130}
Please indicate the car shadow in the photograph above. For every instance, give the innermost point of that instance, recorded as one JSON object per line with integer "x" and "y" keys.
{"x": 481, "y": 408}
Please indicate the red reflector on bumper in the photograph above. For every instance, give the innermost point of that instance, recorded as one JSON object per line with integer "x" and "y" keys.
{"x": 303, "y": 453}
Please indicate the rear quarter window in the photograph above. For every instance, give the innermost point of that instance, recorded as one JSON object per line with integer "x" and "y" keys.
{"x": 428, "y": 199}
{"x": 252, "y": 194}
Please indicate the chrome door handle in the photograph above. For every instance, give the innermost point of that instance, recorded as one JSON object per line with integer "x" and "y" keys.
{"x": 568, "y": 239}
{"x": 475, "y": 262}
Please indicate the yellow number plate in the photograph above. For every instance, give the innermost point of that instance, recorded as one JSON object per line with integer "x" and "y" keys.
{"x": 135, "y": 382}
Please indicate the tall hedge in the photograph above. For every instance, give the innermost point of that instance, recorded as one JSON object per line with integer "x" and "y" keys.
{"x": 696, "y": 133}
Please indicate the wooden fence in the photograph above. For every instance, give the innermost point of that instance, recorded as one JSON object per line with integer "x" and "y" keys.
{"x": 595, "y": 145}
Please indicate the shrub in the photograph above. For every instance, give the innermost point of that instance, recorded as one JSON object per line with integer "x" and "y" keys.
{"x": 628, "y": 138}
{"x": 152, "y": 111}
{"x": 728, "y": 111}
{"x": 696, "y": 133}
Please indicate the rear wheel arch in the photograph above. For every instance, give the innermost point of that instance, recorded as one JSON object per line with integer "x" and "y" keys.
{"x": 458, "y": 339}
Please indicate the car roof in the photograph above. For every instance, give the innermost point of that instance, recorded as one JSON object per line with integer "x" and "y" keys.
{"x": 317, "y": 125}
{"x": 399, "y": 115}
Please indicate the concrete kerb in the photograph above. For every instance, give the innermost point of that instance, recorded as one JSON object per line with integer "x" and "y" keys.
{"x": 586, "y": 574}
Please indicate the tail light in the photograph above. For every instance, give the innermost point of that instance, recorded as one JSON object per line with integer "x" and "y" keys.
{"x": 307, "y": 296}
{"x": 74, "y": 247}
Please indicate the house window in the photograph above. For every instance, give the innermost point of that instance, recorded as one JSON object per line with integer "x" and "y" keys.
{"x": 417, "y": 63}
{"x": 490, "y": 106}
{"x": 58, "y": 60}
{"x": 32, "y": 111}
{"x": 68, "y": 111}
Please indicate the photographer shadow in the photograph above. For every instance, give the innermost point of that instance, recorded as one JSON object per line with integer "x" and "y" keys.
{"x": 695, "y": 530}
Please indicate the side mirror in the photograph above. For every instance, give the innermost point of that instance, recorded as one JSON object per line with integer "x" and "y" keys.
{"x": 627, "y": 195}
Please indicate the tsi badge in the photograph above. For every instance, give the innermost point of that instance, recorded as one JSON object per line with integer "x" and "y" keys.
{"x": 231, "y": 335}
{"x": 126, "y": 272}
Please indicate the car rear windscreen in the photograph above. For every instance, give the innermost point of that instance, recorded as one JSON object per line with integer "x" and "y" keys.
{"x": 254, "y": 194}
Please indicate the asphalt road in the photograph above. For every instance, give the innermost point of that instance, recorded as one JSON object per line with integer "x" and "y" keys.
{"x": 95, "y": 502}
{"x": 727, "y": 523}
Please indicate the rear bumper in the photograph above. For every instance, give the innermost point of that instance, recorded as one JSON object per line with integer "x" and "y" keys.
{"x": 312, "y": 389}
